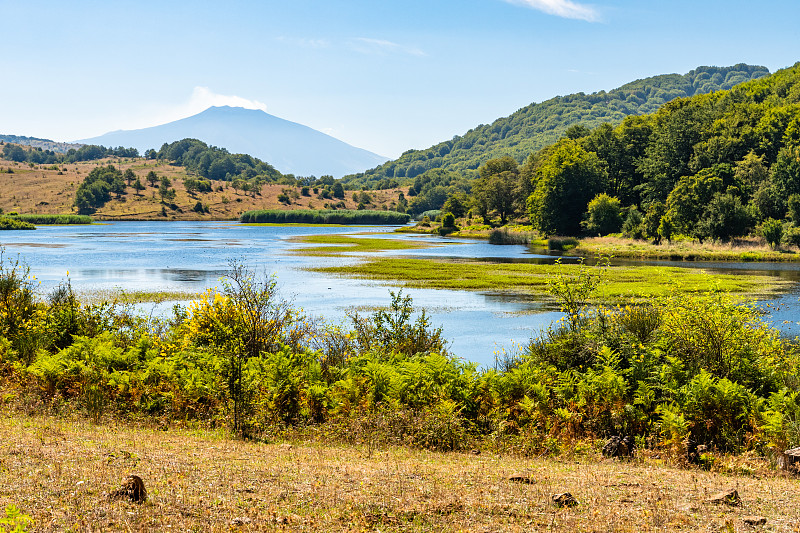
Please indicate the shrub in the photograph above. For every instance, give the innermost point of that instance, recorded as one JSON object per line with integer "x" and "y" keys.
{"x": 603, "y": 215}
{"x": 391, "y": 331}
{"x": 632, "y": 227}
{"x": 772, "y": 231}
{"x": 792, "y": 236}
{"x": 561, "y": 243}
{"x": 12, "y": 223}
{"x": 243, "y": 320}
{"x": 448, "y": 220}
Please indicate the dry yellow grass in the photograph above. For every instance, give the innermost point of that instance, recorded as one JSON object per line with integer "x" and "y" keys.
{"x": 59, "y": 472}
{"x": 745, "y": 249}
{"x": 42, "y": 189}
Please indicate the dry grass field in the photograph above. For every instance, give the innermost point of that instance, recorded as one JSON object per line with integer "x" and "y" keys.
{"x": 43, "y": 189}
{"x": 59, "y": 472}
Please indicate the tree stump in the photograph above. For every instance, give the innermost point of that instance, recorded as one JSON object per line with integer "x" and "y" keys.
{"x": 132, "y": 489}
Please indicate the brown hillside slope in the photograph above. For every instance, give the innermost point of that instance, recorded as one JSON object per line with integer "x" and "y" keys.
{"x": 26, "y": 188}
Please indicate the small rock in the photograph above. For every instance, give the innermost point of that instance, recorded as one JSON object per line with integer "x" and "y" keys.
{"x": 565, "y": 500}
{"x": 132, "y": 489}
{"x": 521, "y": 477}
{"x": 790, "y": 460}
{"x": 240, "y": 521}
{"x": 475, "y": 451}
{"x": 754, "y": 520}
{"x": 728, "y": 497}
{"x": 286, "y": 447}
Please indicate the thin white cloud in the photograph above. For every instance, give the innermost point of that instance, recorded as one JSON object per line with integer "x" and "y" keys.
{"x": 202, "y": 98}
{"x": 561, "y": 8}
{"x": 380, "y": 46}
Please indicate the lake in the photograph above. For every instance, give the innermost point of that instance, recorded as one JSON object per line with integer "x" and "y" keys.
{"x": 192, "y": 256}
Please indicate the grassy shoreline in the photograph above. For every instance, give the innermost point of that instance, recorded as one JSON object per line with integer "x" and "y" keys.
{"x": 202, "y": 480}
{"x": 745, "y": 250}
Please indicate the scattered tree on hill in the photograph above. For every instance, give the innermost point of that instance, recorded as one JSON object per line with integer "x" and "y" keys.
{"x": 96, "y": 188}
{"x": 165, "y": 192}
{"x": 129, "y": 177}
{"x": 152, "y": 178}
{"x": 138, "y": 186}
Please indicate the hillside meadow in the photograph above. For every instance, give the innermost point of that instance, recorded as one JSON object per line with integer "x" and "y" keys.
{"x": 51, "y": 189}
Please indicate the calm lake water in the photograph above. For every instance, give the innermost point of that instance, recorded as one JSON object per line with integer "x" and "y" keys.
{"x": 192, "y": 256}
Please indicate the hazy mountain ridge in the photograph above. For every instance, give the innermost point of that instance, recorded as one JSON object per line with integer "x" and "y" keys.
{"x": 44, "y": 144}
{"x": 288, "y": 146}
{"x": 539, "y": 124}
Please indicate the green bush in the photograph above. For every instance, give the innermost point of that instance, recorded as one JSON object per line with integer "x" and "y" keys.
{"x": 772, "y": 231}
{"x": 603, "y": 215}
{"x": 12, "y": 223}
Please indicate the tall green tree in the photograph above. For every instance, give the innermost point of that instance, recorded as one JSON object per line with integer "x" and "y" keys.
{"x": 129, "y": 176}
{"x": 565, "y": 184}
{"x": 498, "y": 186}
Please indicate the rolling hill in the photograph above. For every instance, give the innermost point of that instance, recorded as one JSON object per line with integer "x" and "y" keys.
{"x": 288, "y": 146}
{"x": 539, "y": 124}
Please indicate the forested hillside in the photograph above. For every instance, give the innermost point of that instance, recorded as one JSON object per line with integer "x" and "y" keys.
{"x": 711, "y": 166}
{"x": 537, "y": 125}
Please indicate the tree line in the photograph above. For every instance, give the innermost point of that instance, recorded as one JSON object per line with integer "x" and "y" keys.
{"x": 38, "y": 156}
{"x": 712, "y": 166}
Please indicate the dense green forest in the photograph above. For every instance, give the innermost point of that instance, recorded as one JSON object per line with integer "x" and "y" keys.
{"x": 711, "y": 166}
{"x": 537, "y": 125}
{"x": 214, "y": 163}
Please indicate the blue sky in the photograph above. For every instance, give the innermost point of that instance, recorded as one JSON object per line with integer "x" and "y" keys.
{"x": 383, "y": 75}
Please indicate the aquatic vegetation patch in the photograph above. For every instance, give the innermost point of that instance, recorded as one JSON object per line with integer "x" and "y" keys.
{"x": 331, "y": 245}
{"x": 619, "y": 281}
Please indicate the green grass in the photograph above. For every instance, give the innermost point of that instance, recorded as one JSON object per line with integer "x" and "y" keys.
{"x": 618, "y": 283}
{"x": 333, "y": 245}
{"x": 341, "y": 216}
{"x": 34, "y": 218}
{"x": 135, "y": 297}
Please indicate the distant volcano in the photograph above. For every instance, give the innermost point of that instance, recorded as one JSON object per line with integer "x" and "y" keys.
{"x": 288, "y": 146}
